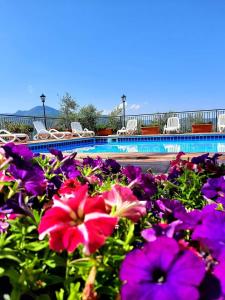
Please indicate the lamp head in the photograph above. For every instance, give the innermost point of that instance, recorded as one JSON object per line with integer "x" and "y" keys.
{"x": 43, "y": 98}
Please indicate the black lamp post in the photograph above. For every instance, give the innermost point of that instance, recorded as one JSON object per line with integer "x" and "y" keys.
{"x": 123, "y": 98}
{"x": 43, "y": 102}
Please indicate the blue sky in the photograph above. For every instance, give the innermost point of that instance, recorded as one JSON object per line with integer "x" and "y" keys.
{"x": 165, "y": 55}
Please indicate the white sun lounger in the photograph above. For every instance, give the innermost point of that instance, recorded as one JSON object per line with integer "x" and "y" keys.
{"x": 43, "y": 133}
{"x": 221, "y": 122}
{"x": 6, "y": 137}
{"x": 79, "y": 131}
{"x": 131, "y": 128}
{"x": 173, "y": 124}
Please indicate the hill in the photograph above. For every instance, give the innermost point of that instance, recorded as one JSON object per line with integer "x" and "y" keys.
{"x": 37, "y": 111}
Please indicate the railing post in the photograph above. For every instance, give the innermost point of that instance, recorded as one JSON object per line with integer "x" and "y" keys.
{"x": 216, "y": 119}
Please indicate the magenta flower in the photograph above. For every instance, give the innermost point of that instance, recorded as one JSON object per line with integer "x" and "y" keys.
{"x": 210, "y": 229}
{"x": 17, "y": 152}
{"x": 219, "y": 272}
{"x": 160, "y": 270}
{"x": 77, "y": 219}
{"x": 214, "y": 189}
{"x": 161, "y": 229}
{"x": 3, "y": 223}
{"x": 124, "y": 203}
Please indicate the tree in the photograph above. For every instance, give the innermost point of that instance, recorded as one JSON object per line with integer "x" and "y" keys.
{"x": 114, "y": 120}
{"x": 68, "y": 109}
{"x": 88, "y": 116}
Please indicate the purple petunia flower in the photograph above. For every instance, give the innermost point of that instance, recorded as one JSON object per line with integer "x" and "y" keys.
{"x": 93, "y": 163}
{"x": 144, "y": 186}
{"x": 200, "y": 159}
{"x": 56, "y": 153}
{"x": 214, "y": 189}
{"x": 169, "y": 209}
{"x": 112, "y": 165}
{"x": 160, "y": 270}
{"x": 132, "y": 173}
{"x": 31, "y": 177}
{"x": 161, "y": 229}
{"x": 16, "y": 205}
{"x": 210, "y": 229}
{"x": 219, "y": 272}
{"x": 17, "y": 151}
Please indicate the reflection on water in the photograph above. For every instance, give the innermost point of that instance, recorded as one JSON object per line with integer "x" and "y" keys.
{"x": 172, "y": 148}
{"x": 160, "y": 147}
{"x": 221, "y": 147}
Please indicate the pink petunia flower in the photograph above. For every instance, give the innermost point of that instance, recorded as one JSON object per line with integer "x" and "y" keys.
{"x": 125, "y": 203}
{"x": 76, "y": 219}
{"x": 69, "y": 186}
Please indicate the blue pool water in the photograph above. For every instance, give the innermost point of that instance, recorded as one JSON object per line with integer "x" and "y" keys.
{"x": 162, "y": 147}
{"x": 138, "y": 145}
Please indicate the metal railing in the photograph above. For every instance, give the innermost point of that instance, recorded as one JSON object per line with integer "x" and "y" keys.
{"x": 187, "y": 118}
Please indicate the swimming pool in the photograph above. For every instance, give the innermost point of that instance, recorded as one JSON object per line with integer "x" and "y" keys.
{"x": 138, "y": 144}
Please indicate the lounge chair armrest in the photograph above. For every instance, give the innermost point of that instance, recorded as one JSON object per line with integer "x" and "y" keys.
{"x": 53, "y": 130}
{"x": 5, "y": 131}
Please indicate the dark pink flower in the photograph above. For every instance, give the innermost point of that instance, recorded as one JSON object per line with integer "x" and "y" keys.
{"x": 76, "y": 219}
{"x": 69, "y": 186}
{"x": 125, "y": 203}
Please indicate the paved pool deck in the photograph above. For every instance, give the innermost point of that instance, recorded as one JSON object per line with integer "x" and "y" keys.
{"x": 157, "y": 162}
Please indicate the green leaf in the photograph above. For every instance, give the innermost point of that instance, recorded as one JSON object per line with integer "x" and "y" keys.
{"x": 2, "y": 271}
{"x": 59, "y": 294}
{"x": 9, "y": 254}
{"x": 43, "y": 297}
{"x": 36, "y": 246}
{"x": 74, "y": 291}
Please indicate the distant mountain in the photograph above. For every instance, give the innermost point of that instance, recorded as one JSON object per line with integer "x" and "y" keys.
{"x": 37, "y": 111}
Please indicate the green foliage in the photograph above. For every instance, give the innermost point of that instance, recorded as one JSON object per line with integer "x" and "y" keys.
{"x": 18, "y": 127}
{"x": 187, "y": 189}
{"x": 87, "y": 116}
{"x": 114, "y": 119}
{"x": 102, "y": 126}
{"x": 68, "y": 111}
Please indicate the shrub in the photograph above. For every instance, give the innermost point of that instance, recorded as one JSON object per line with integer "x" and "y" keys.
{"x": 18, "y": 127}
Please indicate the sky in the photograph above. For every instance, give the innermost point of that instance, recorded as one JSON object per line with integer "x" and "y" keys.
{"x": 164, "y": 55}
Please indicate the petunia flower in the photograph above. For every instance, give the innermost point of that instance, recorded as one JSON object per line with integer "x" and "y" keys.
{"x": 112, "y": 166}
{"x": 169, "y": 209}
{"x": 124, "y": 203}
{"x": 161, "y": 270}
{"x": 161, "y": 229}
{"x": 132, "y": 173}
{"x": 3, "y": 223}
{"x": 69, "y": 186}
{"x": 17, "y": 152}
{"x": 31, "y": 177}
{"x": 219, "y": 272}
{"x": 77, "y": 219}
{"x": 214, "y": 189}
{"x": 210, "y": 229}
